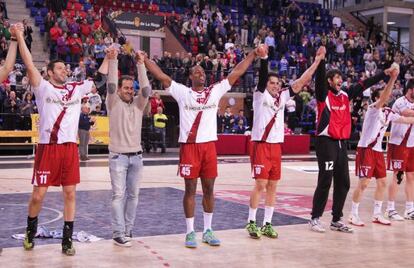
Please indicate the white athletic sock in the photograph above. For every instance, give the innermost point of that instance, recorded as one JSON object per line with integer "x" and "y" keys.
{"x": 208, "y": 217}
{"x": 409, "y": 206}
{"x": 252, "y": 214}
{"x": 190, "y": 224}
{"x": 377, "y": 207}
{"x": 390, "y": 205}
{"x": 355, "y": 207}
{"x": 268, "y": 215}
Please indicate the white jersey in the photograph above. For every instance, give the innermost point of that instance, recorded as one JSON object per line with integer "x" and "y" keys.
{"x": 59, "y": 110}
{"x": 268, "y": 118}
{"x": 375, "y": 124}
{"x": 400, "y": 131}
{"x": 198, "y": 111}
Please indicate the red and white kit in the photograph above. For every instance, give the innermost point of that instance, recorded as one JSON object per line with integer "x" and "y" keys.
{"x": 56, "y": 160}
{"x": 370, "y": 158}
{"x": 400, "y": 153}
{"x": 268, "y": 133}
{"x": 198, "y": 128}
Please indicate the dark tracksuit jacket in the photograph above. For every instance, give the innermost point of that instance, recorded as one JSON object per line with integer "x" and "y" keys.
{"x": 333, "y": 129}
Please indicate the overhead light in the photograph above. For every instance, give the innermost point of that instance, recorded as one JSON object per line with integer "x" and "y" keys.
{"x": 391, "y": 22}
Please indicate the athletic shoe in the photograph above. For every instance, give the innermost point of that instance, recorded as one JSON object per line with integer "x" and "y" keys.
{"x": 355, "y": 220}
{"x": 316, "y": 225}
{"x": 68, "y": 249}
{"x": 267, "y": 230}
{"x": 28, "y": 242}
{"x": 340, "y": 227}
{"x": 409, "y": 215}
{"x": 190, "y": 240}
{"x": 380, "y": 219}
{"x": 393, "y": 215}
{"x": 254, "y": 232}
{"x": 209, "y": 238}
{"x": 128, "y": 237}
{"x": 122, "y": 242}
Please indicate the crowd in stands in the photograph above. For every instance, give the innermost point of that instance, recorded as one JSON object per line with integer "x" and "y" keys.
{"x": 218, "y": 35}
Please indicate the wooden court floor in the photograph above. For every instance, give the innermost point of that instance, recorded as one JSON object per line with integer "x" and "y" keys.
{"x": 370, "y": 246}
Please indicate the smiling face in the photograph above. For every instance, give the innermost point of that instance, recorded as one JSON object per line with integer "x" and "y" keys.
{"x": 57, "y": 72}
{"x": 198, "y": 76}
{"x": 273, "y": 85}
{"x": 335, "y": 82}
{"x": 126, "y": 89}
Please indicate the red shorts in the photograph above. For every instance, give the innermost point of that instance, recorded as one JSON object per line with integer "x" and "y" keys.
{"x": 265, "y": 159}
{"x": 400, "y": 158}
{"x": 198, "y": 160}
{"x": 56, "y": 164}
{"x": 369, "y": 163}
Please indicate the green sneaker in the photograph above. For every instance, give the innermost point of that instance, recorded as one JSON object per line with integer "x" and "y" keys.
{"x": 28, "y": 242}
{"x": 268, "y": 231}
{"x": 68, "y": 249}
{"x": 190, "y": 240}
{"x": 254, "y": 232}
{"x": 209, "y": 238}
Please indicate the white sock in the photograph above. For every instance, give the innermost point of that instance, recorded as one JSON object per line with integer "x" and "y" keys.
{"x": 190, "y": 224}
{"x": 268, "y": 215}
{"x": 390, "y": 205}
{"x": 377, "y": 207}
{"x": 409, "y": 206}
{"x": 355, "y": 207}
{"x": 208, "y": 217}
{"x": 252, "y": 214}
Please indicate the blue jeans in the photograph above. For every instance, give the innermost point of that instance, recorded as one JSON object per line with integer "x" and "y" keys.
{"x": 126, "y": 174}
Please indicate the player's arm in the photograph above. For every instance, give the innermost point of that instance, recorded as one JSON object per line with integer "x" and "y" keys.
{"x": 263, "y": 75}
{"x": 32, "y": 72}
{"x": 145, "y": 87}
{"x": 357, "y": 89}
{"x": 405, "y": 120}
{"x": 10, "y": 58}
{"x": 306, "y": 77}
{"x": 156, "y": 71}
{"x": 112, "y": 82}
{"x": 385, "y": 95}
{"x": 242, "y": 66}
{"x": 321, "y": 89}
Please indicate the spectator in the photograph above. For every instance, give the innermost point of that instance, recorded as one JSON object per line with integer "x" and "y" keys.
{"x": 156, "y": 102}
{"x": 241, "y": 116}
{"x": 11, "y": 108}
{"x": 85, "y": 123}
{"x": 27, "y": 108}
{"x": 160, "y": 121}
{"x": 239, "y": 128}
{"x": 228, "y": 121}
{"x": 94, "y": 99}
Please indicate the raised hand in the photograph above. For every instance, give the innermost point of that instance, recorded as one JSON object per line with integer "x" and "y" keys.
{"x": 320, "y": 54}
{"x": 18, "y": 29}
{"x": 262, "y": 51}
{"x": 112, "y": 53}
{"x": 394, "y": 66}
{"x": 140, "y": 56}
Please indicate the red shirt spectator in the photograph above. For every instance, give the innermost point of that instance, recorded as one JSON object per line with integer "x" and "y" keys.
{"x": 85, "y": 28}
{"x": 77, "y": 6}
{"x": 75, "y": 44}
{"x": 55, "y": 32}
{"x": 156, "y": 102}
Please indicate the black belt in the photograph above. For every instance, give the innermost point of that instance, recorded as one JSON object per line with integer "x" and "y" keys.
{"x": 132, "y": 154}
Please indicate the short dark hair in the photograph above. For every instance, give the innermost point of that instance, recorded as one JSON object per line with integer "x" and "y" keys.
{"x": 408, "y": 85}
{"x": 375, "y": 94}
{"x": 331, "y": 73}
{"x": 51, "y": 64}
{"x": 272, "y": 74}
{"x": 124, "y": 78}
